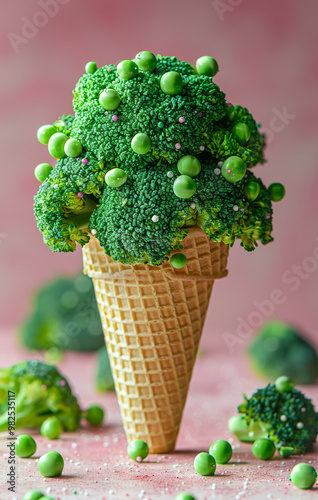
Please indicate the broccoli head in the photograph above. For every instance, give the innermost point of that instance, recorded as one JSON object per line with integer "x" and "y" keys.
{"x": 136, "y": 127}
{"x": 288, "y": 418}
{"x": 40, "y": 392}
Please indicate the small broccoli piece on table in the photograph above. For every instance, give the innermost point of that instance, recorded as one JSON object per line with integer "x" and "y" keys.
{"x": 278, "y": 349}
{"x": 40, "y": 392}
{"x": 64, "y": 316}
{"x": 288, "y": 418}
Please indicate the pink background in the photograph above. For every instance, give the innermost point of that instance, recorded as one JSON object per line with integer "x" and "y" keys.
{"x": 267, "y": 53}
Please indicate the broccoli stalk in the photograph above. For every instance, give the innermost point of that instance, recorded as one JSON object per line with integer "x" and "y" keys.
{"x": 40, "y": 391}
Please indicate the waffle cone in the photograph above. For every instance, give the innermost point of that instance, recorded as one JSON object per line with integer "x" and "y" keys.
{"x": 152, "y": 319}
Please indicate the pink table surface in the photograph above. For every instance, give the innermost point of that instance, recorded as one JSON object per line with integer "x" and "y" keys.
{"x": 96, "y": 463}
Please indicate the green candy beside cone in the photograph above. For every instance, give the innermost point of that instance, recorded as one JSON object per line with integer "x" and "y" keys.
{"x": 204, "y": 464}
{"x": 138, "y": 448}
{"x": 303, "y": 476}
{"x": 51, "y": 464}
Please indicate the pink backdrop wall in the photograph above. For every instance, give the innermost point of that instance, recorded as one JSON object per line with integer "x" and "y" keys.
{"x": 267, "y": 53}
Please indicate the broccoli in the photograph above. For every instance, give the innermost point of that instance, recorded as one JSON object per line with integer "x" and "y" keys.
{"x": 278, "y": 349}
{"x": 40, "y": 392}
{"x": 142, "y": 219}
{"x": 103, "y": 376}
{"x": 64, "y": 316}
{"x": 287, "y": 418}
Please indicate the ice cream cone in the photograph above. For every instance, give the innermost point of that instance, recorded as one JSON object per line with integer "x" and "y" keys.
{"x": 152, "y": 319}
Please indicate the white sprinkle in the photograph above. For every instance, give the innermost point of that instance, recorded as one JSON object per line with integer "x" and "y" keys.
{"x": 220, "y": 164}
{"x": 93, "y": 232}
{"x": 193, "y": 205}
{"x": 251, "y": 434}
{"x": 213, "y": 486}
{"x": 48, "y": 489}
{"x": 217, "y": 171}
{"x": 87, "y": 469}
{"x": 202, "y": 148}
{"x": 85, "y": 493}
{"x": 44, "y": 479}
{"x": 111, "y": 492}
{"x": 56, "y": 186}
{"x": 283, "y": 418}
{"x": 115, "y": 440}
{"x": 49, "y": 445}
{"x": 106, "y": 444}
{"x": 64, "y": 489}
{"x": 106, "y": 464}
{"x": 282, "y": 463}
{"x": 74, "y": 445}
{"x": 300, "y": 425}
{"x": 235, "y": 208}
{"x": 155, "y": 218}
{"x": 170, "y": 174}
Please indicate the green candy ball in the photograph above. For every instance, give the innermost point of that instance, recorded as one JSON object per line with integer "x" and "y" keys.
{"x": 184, "y": 187}
{"x": 146, "y": 61}
{"x": 184, "y": 496}
{"x": 42, "y": 171}
{"x": 51, "y": 428}
{"x": 127, "y": 69}
{"x": 204, "y": 464}
{"x": 189, "y": 165}
{"x": 73, "y": 148}
{"x": 56, "y": 145}
{"x": 284, "y": 384}
{"x": 303, "y": 476}
{"x": 51, "y": 464}
{"x": 32, "y": 495}
{"x": 141, "y": 143}
{"x": 231, "y": 113}
{"x": 115, "y": 177}
{"x": 263, "y": 448}
{"x": 251, "y": 190}
{"x": 25, "y": 446}
{"x": 109, "y": 99}
{"x": 221, "y": 450}
{"x": 138, "y": 448}
{"x": 178, "y": 260}
{"x": 44, "y": 133}
{"x": 171, "y": 83}
{"x": 241, "y": 133}
{"x": 276, "y": 191}
{"x": 233, "y": 169}
{"x": 95, "y": 415}
{"x": 207, "y": 66}
{"x": 91, "y": 67}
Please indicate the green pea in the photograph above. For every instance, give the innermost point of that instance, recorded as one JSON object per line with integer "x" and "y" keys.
{"x": 221, "y": 450}
{"x": 284, "y": 384}
{"x": 115, "y": 177}
{"x": 263, "y": 448}
{"x": 242, "y": 133}
{"x": 95, "y": 415}
{"x": 171, "y": 83}
{"x": 146, "y": 61}
{"x": 44, "y": 133}
{"x": 251, "y": 190}
{"x": 141, "y": 143}
{"x": 233, "y": 169}
{"x": 127, "y": 69}
{"x": 207, "y": 66}
{"x": 73, "y": 148}
{"x": 56, "y": 145}
{"x": 51, "y": 464}
{"x": 138, "y": 448}
{"x": 25, "y": 446}
{"x": 189, "y": 165}
{"x": 276, "y": 191}
{"x": 184, "y": 187}
{"x": 231, "y": 113}
{"x": 303, "y": 476}
{"x": 91, "y": 67}
{"x": 32, "y": 495}
{"x": 178, "y": 260}
{"x": 184, "y": 496}
{"x": 204, "y": 464}
{"x": 51, "y": 428}
{"x": 109, "y": 99}
{"x": 42, "y": 171}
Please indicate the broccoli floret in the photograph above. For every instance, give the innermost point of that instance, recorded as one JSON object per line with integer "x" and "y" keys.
{"x": 64, "y": 124}
{"x": 278, "y": 349}
{"x": 40, "y": 392}
{"x": 103, "y": 376}
{"x": 289, "y": 418}
{"x": 165, "y": 64}
{"x": 64, "y": 316}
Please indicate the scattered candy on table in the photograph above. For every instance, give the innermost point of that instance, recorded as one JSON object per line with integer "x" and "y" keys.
{"x": 25, "y": 446}
{"x": 51, "y": 464}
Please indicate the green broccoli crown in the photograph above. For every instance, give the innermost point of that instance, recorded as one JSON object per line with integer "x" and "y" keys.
{"x": 40, "y": 391}
{"x": 136, "y": 127}
{"x": 289, "y": 417}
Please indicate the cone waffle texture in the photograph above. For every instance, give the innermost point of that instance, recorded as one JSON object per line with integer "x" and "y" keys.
{"x": 152, "y": 319}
